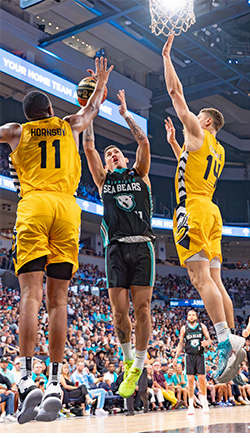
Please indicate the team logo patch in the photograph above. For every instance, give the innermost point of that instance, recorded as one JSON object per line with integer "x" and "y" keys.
{"x": 195, "y": 342}
{"x": 125, "y": 202}
{"x": 182, "y": 229}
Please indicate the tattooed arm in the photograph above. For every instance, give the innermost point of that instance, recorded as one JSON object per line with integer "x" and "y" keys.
{"x": 142, "y": 164}
{"x": 93, "y": 158}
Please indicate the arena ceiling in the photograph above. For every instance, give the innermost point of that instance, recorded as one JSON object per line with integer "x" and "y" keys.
{"x": 212, "y": 59}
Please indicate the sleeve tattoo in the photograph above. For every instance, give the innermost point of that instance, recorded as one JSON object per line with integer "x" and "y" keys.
{"x": 135, "y": 129}
{"x": 88, "y": 134}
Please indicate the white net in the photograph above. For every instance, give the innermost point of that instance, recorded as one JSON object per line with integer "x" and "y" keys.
{"x": 168, "y": 16}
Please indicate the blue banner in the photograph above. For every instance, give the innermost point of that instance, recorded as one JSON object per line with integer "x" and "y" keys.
{"x": 59, "y": 87}
{"x": 186, "y": 303}
{"x": 158, "y": 223}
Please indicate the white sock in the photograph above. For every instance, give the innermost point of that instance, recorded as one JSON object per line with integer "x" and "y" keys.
{"x": 203, "y": 400}
{"x": 26, "y": 366}
{"x": 191, "y": 403}
{"x": 127, "y": 352}
{"x": 222, "y": 331}
{"x": 55, "y": 369}
{"x": 140, "y": 357}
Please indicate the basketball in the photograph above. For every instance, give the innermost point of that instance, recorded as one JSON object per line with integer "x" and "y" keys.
{"x": 85, "y": 88}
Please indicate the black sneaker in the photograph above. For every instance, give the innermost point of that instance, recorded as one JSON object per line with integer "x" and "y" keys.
{"x": 179, "y": 404}
{"x": 29, "y": 398}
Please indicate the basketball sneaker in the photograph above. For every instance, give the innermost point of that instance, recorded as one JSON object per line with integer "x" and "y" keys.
{"x": 29, "y": 398}
{"x": 127, "y": 387}
{"x": 51, "y": 403}
{"x": 234, "y": 361}
{"x": 191, "y": 410}
{"x": 127, "y": 366}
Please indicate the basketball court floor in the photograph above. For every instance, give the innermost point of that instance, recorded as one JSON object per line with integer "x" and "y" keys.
{"x": 219, "y": 420}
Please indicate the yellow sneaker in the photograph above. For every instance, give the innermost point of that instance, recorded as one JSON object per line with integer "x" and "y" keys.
{"x": 127, "y": 366}
{"x": 127, "y": 387}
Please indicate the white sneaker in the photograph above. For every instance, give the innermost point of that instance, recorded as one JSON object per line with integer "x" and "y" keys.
{"x": 246, "y": 401}
{"x": 191, "y": 410}
{"x": 51, "y": 403}
{"x": 101, "y": 411}
{"x": 1, "y": 419}
{"x": 205, "y": 408}
{"x": 29, "y": 398}
{"x": 10, "y": 418}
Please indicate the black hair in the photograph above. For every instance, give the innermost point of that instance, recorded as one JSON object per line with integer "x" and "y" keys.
{"x": 35, "y": 105}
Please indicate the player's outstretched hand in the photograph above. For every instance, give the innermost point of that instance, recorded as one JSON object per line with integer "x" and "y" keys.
{"x": 122, "y": 99}
{"x": 245, "y": 333}
{"x": 168, "y": 45}
{"x": 101, "y": 72}
{"x": 170, "y": 129}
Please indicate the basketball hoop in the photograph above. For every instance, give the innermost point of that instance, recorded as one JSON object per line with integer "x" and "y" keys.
{"x": 168, "y": 16}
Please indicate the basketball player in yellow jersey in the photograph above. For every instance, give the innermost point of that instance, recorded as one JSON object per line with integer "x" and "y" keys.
{"x": 46, "y": 159}
{"x": 197, "y": 221}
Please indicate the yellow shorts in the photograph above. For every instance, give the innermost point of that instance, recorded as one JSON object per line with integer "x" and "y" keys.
{"x": 197, "y": 225}
{"x": 47, "y": 224}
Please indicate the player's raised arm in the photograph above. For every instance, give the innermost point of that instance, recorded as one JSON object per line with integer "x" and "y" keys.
{"x": 170, "y": 129}
{"x": 83, "y": 117}
{"x": 175, "y": 91}
{"x": 93, "y": 157}
{"x": 142, "y": 164}
{"x": 11, "y": 133}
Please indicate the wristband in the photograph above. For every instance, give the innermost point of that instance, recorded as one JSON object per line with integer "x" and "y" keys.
{"x": 126, "y": 115}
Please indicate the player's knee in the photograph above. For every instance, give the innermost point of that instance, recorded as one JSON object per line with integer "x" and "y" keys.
{"x": 198, "y": 279}
{"x": 142, "y": 313}
{"x": 119, "y": 316}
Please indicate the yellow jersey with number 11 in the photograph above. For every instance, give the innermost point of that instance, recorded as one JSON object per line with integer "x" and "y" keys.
{"x": 197, "y": 172}
{"x": 47, "y": 158}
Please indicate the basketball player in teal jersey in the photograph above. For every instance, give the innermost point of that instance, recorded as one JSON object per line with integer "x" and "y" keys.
{"x": 128, "y": 240}
{"x": 195, "y": 336}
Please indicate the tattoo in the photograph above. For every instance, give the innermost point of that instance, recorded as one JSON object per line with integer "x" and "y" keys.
{"x": 135, "y": 129}
{"x": 121, "y": 335}
{"x": 88, "y": 134}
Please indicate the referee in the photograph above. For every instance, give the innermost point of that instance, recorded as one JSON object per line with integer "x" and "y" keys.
{"x": 195, "y": 336}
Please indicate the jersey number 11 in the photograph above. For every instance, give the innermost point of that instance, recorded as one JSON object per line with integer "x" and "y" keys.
{"x": 43, "y": 146}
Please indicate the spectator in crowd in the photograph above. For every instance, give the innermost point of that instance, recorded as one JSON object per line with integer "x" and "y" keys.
{"x": 16, "y": 370}
{"x": 37, "y": 371}
{"x": 180, "y": 381}
{"x": 161, "y": 383}
{"x": 72, "y": 392}
{"x": 40, "y": 383}
{"x": 7, "y": 397}
{"x": 84, "y": 377}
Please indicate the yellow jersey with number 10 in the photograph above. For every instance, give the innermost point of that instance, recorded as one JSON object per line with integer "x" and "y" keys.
{"x": 47, "y": 158}
{"x": 197, "y": 172}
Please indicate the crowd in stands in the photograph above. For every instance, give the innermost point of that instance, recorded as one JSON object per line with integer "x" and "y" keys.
{"x": 93, "y": 361}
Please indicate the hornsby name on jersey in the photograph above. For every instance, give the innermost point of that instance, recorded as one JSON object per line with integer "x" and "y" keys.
{"x": 122, "y": 187}
{"x": 37, "y": 132}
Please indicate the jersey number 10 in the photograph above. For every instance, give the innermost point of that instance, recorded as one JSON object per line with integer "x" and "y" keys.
{"x": 43, "y": 146}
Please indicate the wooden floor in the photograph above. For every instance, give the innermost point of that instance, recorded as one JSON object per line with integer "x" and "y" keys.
{"x": 219, "y": 420}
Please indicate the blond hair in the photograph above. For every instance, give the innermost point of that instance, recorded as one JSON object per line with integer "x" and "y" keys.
{"x": 216, "y": 116}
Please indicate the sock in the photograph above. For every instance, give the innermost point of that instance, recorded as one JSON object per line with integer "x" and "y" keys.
{"x": 191, "y": 403}
{"x": 140, "y": 357}
{"x": 222, "y": 331}
{"x": 127, "y": 352}
{"x": 26, "y": 366}
{"x": 55, "y": 369}
{"x": 203, "y": 400}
